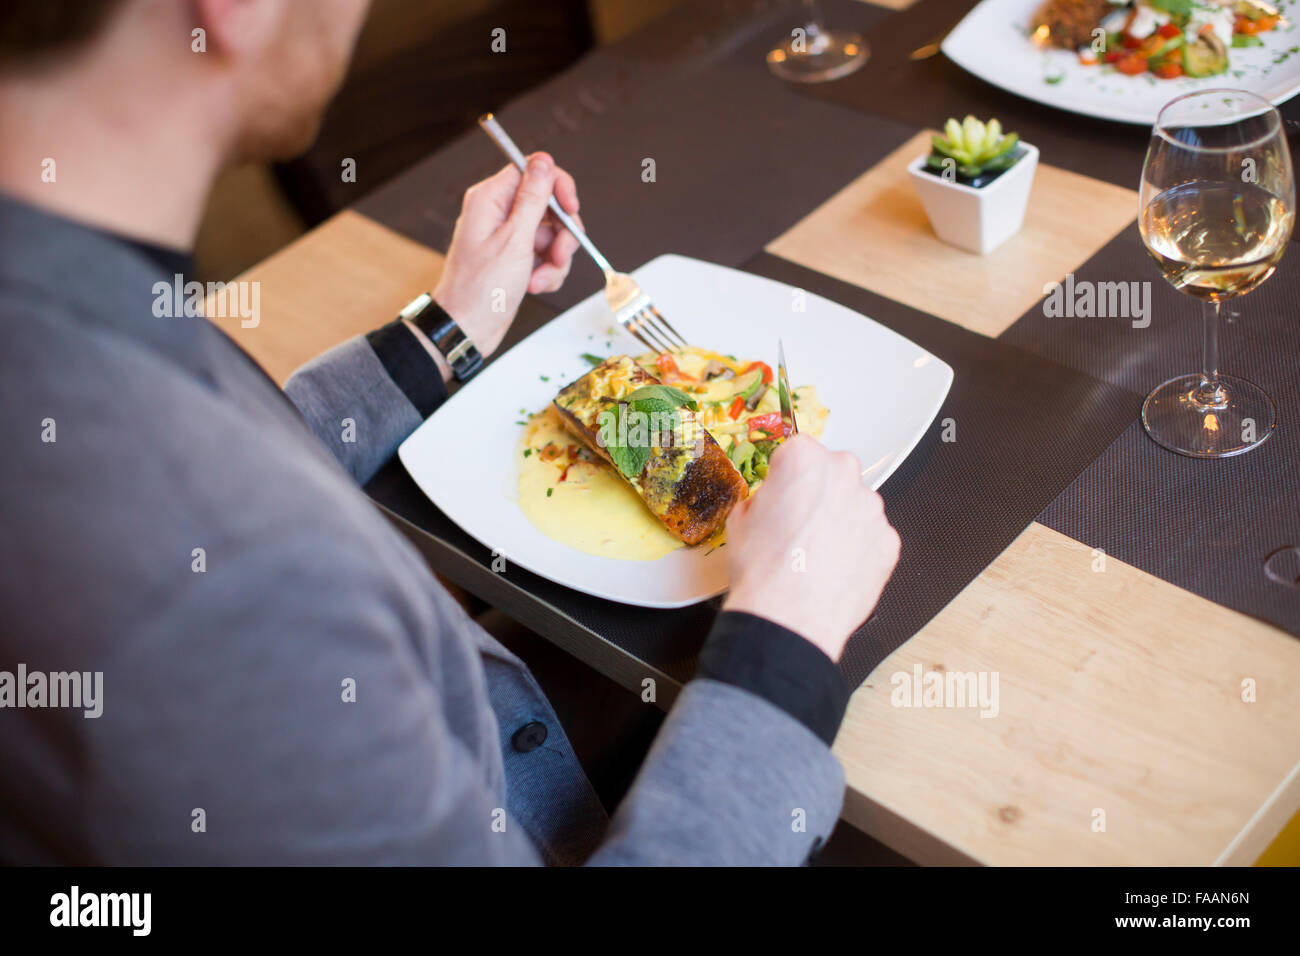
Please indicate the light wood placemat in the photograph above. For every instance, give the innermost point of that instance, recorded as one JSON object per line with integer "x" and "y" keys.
{"x": 874, "y": 233}
{"x": 1120, "y": 704}
{"x": 346, "y": 277}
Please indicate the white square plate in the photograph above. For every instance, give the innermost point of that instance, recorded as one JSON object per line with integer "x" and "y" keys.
{"x": 463, "y": 457}
{"x": 992, "y": 42}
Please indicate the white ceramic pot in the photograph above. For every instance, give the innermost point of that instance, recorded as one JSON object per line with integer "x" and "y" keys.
{"x": 977, "y": 220}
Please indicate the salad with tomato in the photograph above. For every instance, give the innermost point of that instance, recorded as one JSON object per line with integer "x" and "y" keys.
{"x": 738, "y": 402}
{"x": 1166, "y": 38}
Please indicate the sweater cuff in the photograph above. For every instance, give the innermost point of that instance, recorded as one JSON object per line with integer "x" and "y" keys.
{"x": 775, "y": 663}
{"x": 409, "y": 365}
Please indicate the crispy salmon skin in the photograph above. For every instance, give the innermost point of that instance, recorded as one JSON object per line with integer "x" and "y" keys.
{"x": 690, "y": 486}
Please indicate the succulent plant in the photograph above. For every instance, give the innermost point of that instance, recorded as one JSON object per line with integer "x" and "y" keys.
{"x": 974, "y": 146}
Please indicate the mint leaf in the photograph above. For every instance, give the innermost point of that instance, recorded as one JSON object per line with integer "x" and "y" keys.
{"x": 651, "y": 407}
{"x": 675, "y": 396}
{"x": 628, "y": 452}
{"x": 629, "y": 459}
{"x": 643, "y": 418}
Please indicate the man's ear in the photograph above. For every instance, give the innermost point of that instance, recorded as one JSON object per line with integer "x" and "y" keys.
{"x": 238, "y": 29}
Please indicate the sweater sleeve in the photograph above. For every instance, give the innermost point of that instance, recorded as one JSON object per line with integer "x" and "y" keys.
{"x": 363, "y": 397}
{"x": 775, "y": 663}
{"x": 731, "y": 780}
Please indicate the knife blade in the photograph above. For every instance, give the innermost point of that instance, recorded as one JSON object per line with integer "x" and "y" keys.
{"x": 783, "y": 390}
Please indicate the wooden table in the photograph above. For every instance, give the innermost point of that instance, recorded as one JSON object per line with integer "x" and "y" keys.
{"x": 1121, "y": 695}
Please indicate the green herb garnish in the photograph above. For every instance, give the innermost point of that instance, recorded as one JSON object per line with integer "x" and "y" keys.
{"x": 628, "y": 453}
{"x": 666, "y": 393}
{"x": 632, "y": 442}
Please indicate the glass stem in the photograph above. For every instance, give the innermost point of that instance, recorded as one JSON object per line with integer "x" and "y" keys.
{"x": 1210, "y": 392}
{"x": 812, "y": 18}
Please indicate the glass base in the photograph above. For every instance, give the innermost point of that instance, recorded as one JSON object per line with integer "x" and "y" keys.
{"x": 826, "y": 55}
{"x": 1182, "y": 417}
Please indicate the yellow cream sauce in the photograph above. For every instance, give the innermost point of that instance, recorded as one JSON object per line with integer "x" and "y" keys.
{"x": 580, "y": 500}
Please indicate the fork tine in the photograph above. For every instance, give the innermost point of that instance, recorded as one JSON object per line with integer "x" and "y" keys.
{"x": 642, "y": 319}
{"x": 629, "y": 326}
{"x": 681, "y": 342}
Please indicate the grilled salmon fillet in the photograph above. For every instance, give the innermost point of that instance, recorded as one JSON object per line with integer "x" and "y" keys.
{"x": 690, "y": 486}
{"x": 1070, "y": 22}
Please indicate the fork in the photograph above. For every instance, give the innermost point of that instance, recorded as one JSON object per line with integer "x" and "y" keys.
{"x": 632, "y": 308}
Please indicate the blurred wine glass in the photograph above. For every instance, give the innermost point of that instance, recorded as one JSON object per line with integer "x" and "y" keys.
{"x": 814, "y": 54}
{"x": 1217, "y": 209}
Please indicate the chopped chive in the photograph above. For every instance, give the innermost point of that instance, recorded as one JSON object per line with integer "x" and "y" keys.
{"x": 549, "y": 491}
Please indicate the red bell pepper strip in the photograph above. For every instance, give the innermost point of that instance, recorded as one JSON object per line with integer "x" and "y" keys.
{"x": 668, "y": 370}
{"x": 768, "y": 426}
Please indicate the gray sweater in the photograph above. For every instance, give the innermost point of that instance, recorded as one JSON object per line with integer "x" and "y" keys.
{"x": 283, "y": 680}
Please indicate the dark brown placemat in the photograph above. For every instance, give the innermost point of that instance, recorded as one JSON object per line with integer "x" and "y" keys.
{"x": 1025, "y": 429}
{"x": 738, "y": 157}
{"x": 1207, "y": 526}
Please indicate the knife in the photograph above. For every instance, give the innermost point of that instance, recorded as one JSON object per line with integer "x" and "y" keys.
{"x": 783, "y": 390}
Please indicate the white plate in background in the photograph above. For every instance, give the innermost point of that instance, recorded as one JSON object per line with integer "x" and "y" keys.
{"x": 992, "y": 42}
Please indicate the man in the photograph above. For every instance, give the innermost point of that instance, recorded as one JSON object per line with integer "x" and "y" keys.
{"x": 283, "y": 681}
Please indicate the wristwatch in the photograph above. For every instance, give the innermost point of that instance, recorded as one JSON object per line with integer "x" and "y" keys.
{"x": 448, "y": 337}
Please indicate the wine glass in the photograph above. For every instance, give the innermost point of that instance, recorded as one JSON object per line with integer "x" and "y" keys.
{"x": 1217, "y": 207}
{"x": 814, "y": 54}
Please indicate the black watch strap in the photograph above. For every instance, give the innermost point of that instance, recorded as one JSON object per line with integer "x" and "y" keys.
{"x": 448, "y": 337}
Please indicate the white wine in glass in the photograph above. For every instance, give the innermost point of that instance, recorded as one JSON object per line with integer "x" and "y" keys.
{"x": 814, "y": 54}
{"x": 1217, "y": 209}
